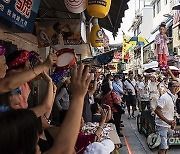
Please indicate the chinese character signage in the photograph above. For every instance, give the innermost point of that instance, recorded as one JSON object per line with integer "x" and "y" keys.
{"x": 21, "y": 12}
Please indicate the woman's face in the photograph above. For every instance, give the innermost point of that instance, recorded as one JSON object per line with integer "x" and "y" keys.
{"x": 3, "y": 66}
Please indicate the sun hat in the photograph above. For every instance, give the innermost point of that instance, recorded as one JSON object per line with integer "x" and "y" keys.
{"x": 104, "y": 147}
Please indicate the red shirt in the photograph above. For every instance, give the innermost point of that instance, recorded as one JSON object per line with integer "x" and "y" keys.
{"x": 110, "y": 98}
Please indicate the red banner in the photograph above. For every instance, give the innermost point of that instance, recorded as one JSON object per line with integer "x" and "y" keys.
{"x": 118, "y": 56}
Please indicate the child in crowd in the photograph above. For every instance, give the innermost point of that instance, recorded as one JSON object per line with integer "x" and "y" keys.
{"x": 161, "y": 46}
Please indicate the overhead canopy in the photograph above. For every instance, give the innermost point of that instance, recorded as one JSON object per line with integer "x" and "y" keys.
{"x": 55, "y": 9}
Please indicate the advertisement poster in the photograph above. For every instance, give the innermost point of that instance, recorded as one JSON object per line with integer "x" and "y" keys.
{"x": 20, "y": 12}
{"x": 59, "y": 32}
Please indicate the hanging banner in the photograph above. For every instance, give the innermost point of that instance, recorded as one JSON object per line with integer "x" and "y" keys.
{"x": 20, "y": 12}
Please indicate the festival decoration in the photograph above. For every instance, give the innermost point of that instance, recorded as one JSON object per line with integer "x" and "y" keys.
{"x": 58, "y": 74}
{"x": 96, "y": 34}
{"x": 98, "y": 8}
{"x": 24, "y": 56}
{"x": 75, "y": 6}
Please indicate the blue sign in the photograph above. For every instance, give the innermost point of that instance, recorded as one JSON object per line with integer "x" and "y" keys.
{"x": 21, "y": 12}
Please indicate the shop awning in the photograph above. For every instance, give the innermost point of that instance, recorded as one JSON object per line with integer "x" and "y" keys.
{"x": 55, "y": 9}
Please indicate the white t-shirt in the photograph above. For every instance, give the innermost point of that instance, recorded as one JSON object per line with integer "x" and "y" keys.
{"x": 166, "y": 103}
{"x": 129, "y": 86}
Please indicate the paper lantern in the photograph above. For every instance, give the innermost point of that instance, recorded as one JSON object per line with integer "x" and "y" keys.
{"x": 75, "y": 6}
{"x": 96, "y": 35}
{"x": 98, "y": 8}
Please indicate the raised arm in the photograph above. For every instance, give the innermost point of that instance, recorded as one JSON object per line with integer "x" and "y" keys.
{"x": 92, "y": 91}
{"x": 68, "y": 132}
{"x": 171, "y": 74}
{"x": 47, "y": 104}
{"x": 9, "y": 83}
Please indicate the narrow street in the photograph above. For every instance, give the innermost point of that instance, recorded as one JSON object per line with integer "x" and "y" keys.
{"x": 135, "y": 143}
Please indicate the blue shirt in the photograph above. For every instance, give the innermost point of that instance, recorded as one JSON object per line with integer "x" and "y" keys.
{"x": 118, "y": 88}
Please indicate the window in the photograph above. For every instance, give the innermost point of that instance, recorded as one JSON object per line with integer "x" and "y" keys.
{"x": 154, "y": 10}
{"x": 158, "y": 6}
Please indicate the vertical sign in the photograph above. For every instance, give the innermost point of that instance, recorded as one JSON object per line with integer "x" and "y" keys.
{"x": 20, "y": 12}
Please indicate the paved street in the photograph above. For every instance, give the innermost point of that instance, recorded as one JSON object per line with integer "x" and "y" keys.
{"x": 135, "y": 143}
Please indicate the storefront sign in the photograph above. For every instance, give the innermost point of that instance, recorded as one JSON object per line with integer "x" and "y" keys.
{"x": 20, "y": 12}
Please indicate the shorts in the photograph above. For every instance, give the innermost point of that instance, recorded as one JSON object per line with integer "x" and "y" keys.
{"x": 131, "y": 100}
{"x": 165, "y": 133}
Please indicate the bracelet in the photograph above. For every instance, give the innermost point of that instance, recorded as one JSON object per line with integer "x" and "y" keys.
{"x": 34, "y": 72}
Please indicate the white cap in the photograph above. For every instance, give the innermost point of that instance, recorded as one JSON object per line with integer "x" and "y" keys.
{"x": 104, "y": 147}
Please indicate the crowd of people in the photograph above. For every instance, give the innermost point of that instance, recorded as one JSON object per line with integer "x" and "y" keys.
{"x": 84, "y": 96}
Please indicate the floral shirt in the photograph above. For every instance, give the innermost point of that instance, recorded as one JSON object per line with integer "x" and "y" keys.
{"x": 163, "y": 48}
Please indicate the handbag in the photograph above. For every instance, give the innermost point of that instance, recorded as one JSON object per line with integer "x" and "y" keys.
{"x": 117, "y": 106}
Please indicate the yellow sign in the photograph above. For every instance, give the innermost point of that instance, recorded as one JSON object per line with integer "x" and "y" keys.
{"x": 96, "y": 36}
{"x": 98, "y": 8}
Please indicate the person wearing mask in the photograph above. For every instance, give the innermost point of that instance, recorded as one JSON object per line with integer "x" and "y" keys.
{"x": 165, "y": 121}
{"x": 62, "y": 99}
{"x": 154, "y": 93}
{"x": 144, "y": 94}
{"x": 130, "y": 94}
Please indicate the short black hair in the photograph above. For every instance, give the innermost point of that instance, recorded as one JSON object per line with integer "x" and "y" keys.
{"x": 171, "y": 83}
{"x": 163, "y": 24}
{"x": 105, "y": 88}
{"x": 117, "y": 76}
{"x": 18, "y": 132}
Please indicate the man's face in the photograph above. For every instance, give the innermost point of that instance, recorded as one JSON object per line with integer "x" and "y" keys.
{"x": 3, "y": 66}
{"x": 116, "y": 79}
{"x": 175, "y": 87}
